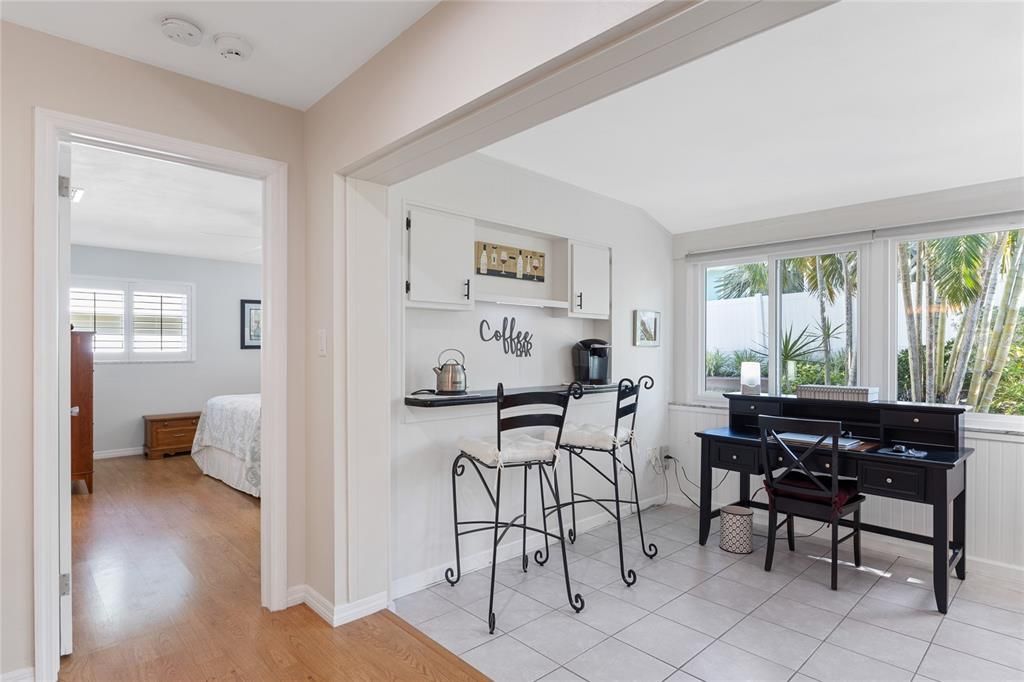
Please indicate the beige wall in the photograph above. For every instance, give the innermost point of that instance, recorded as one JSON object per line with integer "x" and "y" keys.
{"x": 455, "y": 55}
{"x": 40, "y": 70}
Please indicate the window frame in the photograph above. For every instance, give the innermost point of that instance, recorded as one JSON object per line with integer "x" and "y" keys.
{"x": 129, "y": 286}
{"x": 877, "y": 291}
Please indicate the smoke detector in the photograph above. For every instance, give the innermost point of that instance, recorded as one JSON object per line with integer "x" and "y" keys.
{"x": 182, "y": 31}
{"x": 231, "y": 47}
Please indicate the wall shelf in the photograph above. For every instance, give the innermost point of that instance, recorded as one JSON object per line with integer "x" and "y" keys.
{"x": 502, "y": 299}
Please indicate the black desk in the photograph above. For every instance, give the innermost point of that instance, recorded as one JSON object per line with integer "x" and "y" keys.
{"x": 938, "y": 479}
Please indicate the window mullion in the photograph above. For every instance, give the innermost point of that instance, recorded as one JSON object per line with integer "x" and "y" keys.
{"x": 774, "y": 383}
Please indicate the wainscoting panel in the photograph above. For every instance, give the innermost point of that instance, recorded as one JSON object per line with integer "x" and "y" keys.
{"x": 995, "y": 488}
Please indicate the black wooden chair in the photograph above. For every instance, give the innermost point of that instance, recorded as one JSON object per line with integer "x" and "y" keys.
{"x": 516, "y": 451}
{"x": 613, "y": 440}
{"x": 800, "y": 490}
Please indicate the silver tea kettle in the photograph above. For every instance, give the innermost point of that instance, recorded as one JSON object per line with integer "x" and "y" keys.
{"x": 451, "y": 375}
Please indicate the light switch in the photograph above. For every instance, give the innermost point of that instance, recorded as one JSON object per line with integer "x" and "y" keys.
{"x": 323, "y": 342}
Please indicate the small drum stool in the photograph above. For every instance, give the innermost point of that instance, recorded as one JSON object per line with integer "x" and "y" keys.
{"x": 737, "y": 532}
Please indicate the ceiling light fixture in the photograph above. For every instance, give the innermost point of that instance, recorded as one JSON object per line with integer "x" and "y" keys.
{"x": 182, "y": 31}
{"x": 232, "y": 48}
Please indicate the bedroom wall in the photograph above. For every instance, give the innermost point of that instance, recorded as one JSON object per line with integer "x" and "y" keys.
{"x": 124, "y": 391}
{"x": 39, "y": 70}
{"x": 423, "y": 442}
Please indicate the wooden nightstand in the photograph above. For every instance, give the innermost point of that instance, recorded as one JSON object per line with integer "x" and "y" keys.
{"x": 167, "y": 434}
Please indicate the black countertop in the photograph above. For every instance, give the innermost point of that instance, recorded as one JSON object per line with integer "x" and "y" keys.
{"x": 483, "y": 397}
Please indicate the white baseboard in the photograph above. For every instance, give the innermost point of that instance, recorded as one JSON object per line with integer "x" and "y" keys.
{"x": 122, "y": 452}
{"x": 21, "y": 675}
{"x": 415, "y": 582}
{"x": 335, "y": 614}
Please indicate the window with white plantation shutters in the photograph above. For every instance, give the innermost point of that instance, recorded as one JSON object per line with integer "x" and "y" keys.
{"x": 134, "y": 321}
{"x": 159, "y": 322}
{"x": 100, "y": 311}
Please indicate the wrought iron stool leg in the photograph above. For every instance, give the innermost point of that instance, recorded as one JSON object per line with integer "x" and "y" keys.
{"x": 650, "y": 550}
{"x": 575, "y": 600}
{"x": 541, "y": 556}
{"x": 454, "y": 576}
{"x": 526, "y": 479}
{"x": 572, "y": 498}
{"x": 628, "y": 575}
{"x": 494, "y": 552}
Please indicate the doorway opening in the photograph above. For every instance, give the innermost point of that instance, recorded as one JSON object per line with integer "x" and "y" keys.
{"x": 161, "y": 289}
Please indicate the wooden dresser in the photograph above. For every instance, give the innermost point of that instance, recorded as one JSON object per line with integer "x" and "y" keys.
{"x": 81, "y": 407}
{"x": 168, "y": 434}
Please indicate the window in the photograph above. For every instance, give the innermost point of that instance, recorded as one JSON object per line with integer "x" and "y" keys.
{"x": 959, "y": 306}
{"x": 735, "y": 323}
{"x": 100, "y": 311}
{"x": 156, "y": 328}
{"x": 817, "y": 320}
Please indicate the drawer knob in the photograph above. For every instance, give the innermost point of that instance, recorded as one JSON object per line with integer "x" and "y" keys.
{"x": 889, "y": 481}
{"x": 916, "y": 420}
{"x": 734, "y": 456}
{"x": 827, "y": 465}
{"x": 779, "y": 459}
{"x": 753, "y": 407}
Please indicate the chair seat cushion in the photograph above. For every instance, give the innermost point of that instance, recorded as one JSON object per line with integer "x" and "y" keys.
{"x": 846, "y": 491}
{"x": 594, "y": 436}
{"x": 514, "y": 448}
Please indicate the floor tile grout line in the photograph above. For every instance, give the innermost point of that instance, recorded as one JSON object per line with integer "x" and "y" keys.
{"x": 843, "y": 620}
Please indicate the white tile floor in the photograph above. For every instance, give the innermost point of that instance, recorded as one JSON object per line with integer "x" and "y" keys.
{"x": 701, "y": 613}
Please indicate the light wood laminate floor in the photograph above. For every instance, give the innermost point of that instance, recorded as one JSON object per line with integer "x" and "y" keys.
{"x": 166, "y": 587}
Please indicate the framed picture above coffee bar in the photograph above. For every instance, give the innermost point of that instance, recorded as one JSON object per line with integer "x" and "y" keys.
{"x": 510, "y": 262}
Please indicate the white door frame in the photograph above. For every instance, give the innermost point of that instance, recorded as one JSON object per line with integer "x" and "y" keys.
{"x": 51, "y": 317}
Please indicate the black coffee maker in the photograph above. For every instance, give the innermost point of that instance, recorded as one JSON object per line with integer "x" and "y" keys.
{"x": 591, "y": 361}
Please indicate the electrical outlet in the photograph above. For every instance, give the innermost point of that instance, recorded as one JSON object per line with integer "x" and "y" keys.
{"x": 665, "y": 451}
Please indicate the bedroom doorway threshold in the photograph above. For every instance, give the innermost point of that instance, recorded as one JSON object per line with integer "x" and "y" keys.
{"x": 53, "y": 576}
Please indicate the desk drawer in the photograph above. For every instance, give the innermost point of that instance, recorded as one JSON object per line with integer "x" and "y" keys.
{"x": 893, "y": 480}
{"x": 181, "y": 436}
{"x": 919, "y": 420}
{"x": 737, "y": 458}
{"x": 754, "y": 407}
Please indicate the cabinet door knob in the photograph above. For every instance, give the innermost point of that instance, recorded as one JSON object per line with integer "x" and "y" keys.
{"x": 889, "y": 481}
{"x": 916, "y": 420}
{"x": 828, "y": 465}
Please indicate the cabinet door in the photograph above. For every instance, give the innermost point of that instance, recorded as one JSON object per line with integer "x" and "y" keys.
{"x": 440, "y": 259}
{"x": 591, "y": 281}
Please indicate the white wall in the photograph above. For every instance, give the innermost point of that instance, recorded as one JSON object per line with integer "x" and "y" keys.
{"x": 424, "y": 439}
{"x": 123, "y": 392}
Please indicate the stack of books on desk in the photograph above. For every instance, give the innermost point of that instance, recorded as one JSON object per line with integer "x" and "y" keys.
{"x": 863, "y": 394}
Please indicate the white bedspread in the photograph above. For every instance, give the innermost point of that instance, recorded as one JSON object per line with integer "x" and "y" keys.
{"x": 232, "y": 423}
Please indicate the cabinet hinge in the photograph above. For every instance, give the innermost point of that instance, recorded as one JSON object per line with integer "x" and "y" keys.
{"x": 65, "y": 584}
{"x": 408, "y": 287}
{"x": 63, "y": 186}
{"x": 408, "y": 222}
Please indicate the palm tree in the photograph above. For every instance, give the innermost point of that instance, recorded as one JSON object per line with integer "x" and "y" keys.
{"x": 960, "y": 276}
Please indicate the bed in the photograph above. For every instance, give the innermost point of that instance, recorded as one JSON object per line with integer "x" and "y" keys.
{"x": 227, "y": 442}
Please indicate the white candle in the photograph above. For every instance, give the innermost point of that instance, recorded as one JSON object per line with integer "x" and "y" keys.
{"x": 750, "y": 378}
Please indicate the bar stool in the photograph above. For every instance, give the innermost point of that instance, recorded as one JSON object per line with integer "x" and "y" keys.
{"x": 523, "y": 451}
{"x": 578, "y": 439}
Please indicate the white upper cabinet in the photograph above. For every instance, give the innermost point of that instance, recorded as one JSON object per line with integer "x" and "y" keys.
{"x": 590, "y": 277}
{"x": 440, "y": 259}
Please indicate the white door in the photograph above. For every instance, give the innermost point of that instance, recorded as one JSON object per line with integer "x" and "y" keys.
{"x": 591, "y": 281}
{"x": 440, "y": 259}
{"x": 64, "y": 390}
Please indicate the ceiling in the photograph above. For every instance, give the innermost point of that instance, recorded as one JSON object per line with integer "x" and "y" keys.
{"x": 301, "y": 50}
{"x": 856, "y": 102}
{"x": 143, "y": 204}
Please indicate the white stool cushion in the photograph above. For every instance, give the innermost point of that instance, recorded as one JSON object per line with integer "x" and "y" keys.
{"x": 594, "y": 436}
{"x": 514, "y": 448}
